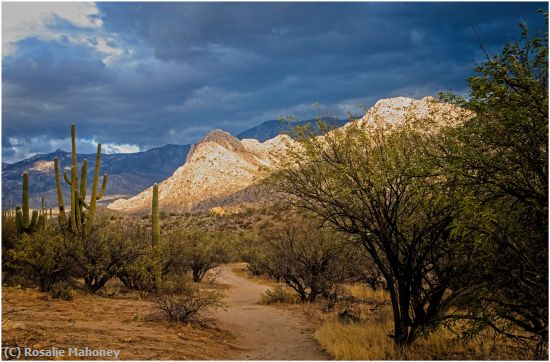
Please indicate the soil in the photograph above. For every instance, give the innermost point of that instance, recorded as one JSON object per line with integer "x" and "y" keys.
{"x": 31, "y": 319}
{"x": 245, "y": 330}
{"x": 265, "y": 332}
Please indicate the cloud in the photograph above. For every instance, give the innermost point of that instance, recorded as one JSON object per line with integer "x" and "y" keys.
{"x": 20, "y": 148}
{"x": 146, "y": 74}
{"x": 74, "y": 22}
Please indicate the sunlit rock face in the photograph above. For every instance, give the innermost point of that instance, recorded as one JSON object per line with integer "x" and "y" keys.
{"x": 221, "y": 165}
{"x": 218, "y": 165}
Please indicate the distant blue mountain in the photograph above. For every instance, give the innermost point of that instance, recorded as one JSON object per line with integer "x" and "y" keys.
{"x": 129, "y": 173}
{"x": 270, "y": 129}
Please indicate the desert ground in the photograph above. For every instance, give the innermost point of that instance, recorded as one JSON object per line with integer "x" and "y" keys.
{"x": 246, "y": 329}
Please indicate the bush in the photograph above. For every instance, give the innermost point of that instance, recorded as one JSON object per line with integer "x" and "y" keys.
{"x": 139, "y": 274}
{"x": 61, "y": 290}
{"x": 279, "y": 295}
{"x": 308, "y": 258}
{"x": 202, "y": 251}
{"x": 105, "y": 250}
{"x": 182, "y": 301}
{"x": 10, "y": 238}
{"x": 42, "y": 257}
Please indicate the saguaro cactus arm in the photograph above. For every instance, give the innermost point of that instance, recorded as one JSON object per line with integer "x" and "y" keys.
{"x": 103, "y": 184}
{"x": 62, "y": 217}
{"x": 83, "y": 179}
{"x": 67, "y": 179}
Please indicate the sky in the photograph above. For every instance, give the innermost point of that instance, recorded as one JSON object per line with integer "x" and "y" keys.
{"x": 140, "y": 75}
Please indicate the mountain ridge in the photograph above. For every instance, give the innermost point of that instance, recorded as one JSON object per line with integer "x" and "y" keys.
{"x": 129, "y": 173}
{"x": 220, "y": 167}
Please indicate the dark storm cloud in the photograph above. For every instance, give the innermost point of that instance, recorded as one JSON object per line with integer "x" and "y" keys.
{"x": 185, "y": 68}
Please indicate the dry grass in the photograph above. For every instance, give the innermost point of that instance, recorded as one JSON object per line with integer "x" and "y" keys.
{"x": 362, "y": 291}
{"x": 241, "y": 270}
{"x": 127, "y": 324}
{"x": 369, "y": 341}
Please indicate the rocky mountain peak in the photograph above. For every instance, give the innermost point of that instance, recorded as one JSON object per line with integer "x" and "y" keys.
{"x": 220, "y": 138}
{"x": 223, "y": 139}
{"x": 220, "y": 165}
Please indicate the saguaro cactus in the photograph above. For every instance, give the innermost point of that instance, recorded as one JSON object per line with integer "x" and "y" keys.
{"x": 26, "y": 224}
{"x": 155, "y": 230}
{"x": 155, "y": 216}
{"x": 79, "y": 218}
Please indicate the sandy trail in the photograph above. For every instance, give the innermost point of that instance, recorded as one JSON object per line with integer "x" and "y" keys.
{"x": 264, "y": 332}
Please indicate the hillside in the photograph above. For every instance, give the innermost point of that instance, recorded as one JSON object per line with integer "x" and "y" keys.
{"x": 223, "y": 171}
{"x": 217, "y": 166}
{"x": 129, "y": 173}
{"x": 271, "y": 129}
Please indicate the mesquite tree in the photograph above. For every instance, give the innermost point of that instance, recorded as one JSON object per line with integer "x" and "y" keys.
{"x": 370, "y": 181}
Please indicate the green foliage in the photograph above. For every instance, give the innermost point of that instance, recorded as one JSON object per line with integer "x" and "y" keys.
{"x": 41, "y": 256}
{"x": 202, "y": 251}
{"x": 279, "y": 295}
{"x": 105, "y": 250}
{"x": 61, "y": 290}
{"x": 499, "y": 162}
{"x": 308, "y": 258}
{"x": 183, "y": 301}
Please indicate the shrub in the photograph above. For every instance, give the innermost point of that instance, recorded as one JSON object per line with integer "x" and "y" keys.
{"x": 10, "y": 238}
{"x": 279, "y": 295}
{"x": 61, "y": 290}
{"x": 42, "y": 257}
{"x": 202, "y": 251}
{"x": 105, "y": 250}
{"x": 139, "y": 274}
{"x": 308, "y": 258}
{"x": 182, "y": 301}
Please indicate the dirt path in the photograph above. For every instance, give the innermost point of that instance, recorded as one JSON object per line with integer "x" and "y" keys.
{"x": 264, "y": 332}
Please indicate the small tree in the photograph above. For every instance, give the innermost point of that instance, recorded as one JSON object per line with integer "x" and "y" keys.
{"x": 372, "y": 182}
{"x": 201, "y": 251}
{"x": 307, "y": 257}
{"x": 106, "y": 249}
{"x": 499, "y": 161}
{"x": 41, "y": 256}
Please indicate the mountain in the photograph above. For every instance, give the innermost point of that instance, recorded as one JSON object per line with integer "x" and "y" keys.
{"x": 271, "y": 129}
{"x": 128, "y": 173}
{"x": 222, "y": 170}
{"x": 217, "y": 166}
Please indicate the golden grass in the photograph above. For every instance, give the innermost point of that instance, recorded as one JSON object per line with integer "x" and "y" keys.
{"x": 369, "y": 341}
{"x": 362, "y": 291}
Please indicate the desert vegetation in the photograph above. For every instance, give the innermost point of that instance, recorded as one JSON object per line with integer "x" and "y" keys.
{"x": 452, "y": 209}
{"x": 426, "y": 239}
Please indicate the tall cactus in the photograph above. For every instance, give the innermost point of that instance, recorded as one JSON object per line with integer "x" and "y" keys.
{"x": 26, "y": 224}
{"x": 155, "y": 216}
{"x": 41, "y": 216}
{"x": 155, "y": 230}
{"x": 78, "y": 217}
